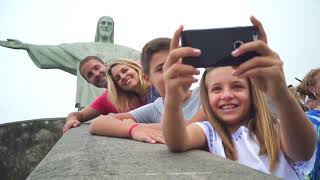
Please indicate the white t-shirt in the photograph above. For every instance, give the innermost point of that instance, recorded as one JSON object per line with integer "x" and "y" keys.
{"x": 248, "y": 154}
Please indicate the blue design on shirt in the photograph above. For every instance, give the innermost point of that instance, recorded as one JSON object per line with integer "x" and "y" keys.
{"x": 153, "y": 95}
{"x": 314, "y": 117}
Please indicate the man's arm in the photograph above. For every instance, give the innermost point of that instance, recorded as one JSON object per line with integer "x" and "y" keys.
{"x": 74, "y": 119}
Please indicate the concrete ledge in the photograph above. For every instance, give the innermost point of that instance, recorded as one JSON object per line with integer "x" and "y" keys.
{"x": 79, "y": 155}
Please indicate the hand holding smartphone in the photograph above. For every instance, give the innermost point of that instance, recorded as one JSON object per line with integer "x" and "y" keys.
{"x": 216, "y": 45}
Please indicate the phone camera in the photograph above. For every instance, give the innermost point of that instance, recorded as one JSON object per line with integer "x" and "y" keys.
{"x": 255, "y": 35}
{"x": 237, "y": 44}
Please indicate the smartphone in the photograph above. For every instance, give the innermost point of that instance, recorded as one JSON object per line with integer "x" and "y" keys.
{"x": 216, "y": 45}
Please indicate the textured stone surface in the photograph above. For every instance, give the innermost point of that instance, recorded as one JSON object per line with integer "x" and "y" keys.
{"x": 24, "y": 144}
{"x": 79, "y": 155}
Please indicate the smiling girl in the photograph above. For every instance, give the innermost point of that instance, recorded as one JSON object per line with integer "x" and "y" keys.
{"x": 239, "y": 124}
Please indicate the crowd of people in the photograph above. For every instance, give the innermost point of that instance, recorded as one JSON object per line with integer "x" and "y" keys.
{"x": 245, "y": 113}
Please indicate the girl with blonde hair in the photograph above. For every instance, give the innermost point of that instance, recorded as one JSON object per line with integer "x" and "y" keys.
{"x": 239, "y": 123}
{"x": 128, "y": 87}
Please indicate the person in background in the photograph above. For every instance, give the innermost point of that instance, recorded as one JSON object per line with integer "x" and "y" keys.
{"x": 128, "y": 87}
{"x": 94, "y": 71}
{"x": 308, "y": 91}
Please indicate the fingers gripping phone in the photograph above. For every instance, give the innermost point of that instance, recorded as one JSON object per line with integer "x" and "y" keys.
{"x": 216, "y": 45}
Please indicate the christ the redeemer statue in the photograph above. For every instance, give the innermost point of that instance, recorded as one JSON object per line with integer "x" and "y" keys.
{"x": 68, "y": 56}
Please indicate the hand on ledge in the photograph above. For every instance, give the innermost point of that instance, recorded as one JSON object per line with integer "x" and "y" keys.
{"x": 72, "y": 123}
{"x": 147, "y": 134}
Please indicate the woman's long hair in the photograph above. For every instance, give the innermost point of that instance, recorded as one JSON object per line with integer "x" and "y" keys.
{"x": 123, "y": 100}
{"x": 263, "y": 124}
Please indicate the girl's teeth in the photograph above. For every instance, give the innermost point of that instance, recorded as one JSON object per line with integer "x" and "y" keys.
{"x": 228, "y": 106}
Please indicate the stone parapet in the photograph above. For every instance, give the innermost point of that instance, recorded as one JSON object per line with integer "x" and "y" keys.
{"x": 23, "y": 144}
{"x": 80, "y": 155}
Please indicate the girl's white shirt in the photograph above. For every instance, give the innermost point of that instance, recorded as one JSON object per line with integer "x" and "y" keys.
{"x": 248, "y": 154}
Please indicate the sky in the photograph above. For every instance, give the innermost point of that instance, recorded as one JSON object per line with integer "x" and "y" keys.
{"x": 28, "y": 92}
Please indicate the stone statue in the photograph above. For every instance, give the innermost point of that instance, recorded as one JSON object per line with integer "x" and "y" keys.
{"x": 68, "y": 56}
{"x": 105, "y": 30}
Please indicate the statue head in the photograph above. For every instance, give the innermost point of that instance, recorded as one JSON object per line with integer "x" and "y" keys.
{"x": 105, "y": 30}
{"x": 94, "y": 70}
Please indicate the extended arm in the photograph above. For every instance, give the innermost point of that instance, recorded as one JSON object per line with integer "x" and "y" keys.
{"x": 178, "y": 78}
{"x": 298, "y": 138}
{"x": 74, "y": 119}
{"x": 112, "y": 125}
{"x": 14, "y": 44}
{"x": 118, "y": 125}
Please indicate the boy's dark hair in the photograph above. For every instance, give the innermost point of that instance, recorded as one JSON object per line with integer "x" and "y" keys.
{"x": 152, "y": 47}
{"x": 85, "y": 60}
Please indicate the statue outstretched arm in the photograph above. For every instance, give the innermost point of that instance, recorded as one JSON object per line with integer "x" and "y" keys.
{"x": 14, "y": 44}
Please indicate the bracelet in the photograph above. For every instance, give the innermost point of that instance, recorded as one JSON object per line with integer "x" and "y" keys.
{"x": 131, "y": 128}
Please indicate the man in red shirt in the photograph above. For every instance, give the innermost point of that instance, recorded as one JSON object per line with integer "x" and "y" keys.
{"x": 94, "y": 70}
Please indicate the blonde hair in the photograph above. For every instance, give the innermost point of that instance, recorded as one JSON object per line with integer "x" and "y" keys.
{"x": 124, "y": 100}
{"x": 302, "y": 91}
{"x": 263, "y": 124}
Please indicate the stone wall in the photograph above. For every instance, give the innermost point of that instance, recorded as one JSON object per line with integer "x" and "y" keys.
{"x": 80, "y": 155}
{"x": 25, "y": 143}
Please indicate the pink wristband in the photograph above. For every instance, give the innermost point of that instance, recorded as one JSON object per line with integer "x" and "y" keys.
{"x": 131, "y": 128}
